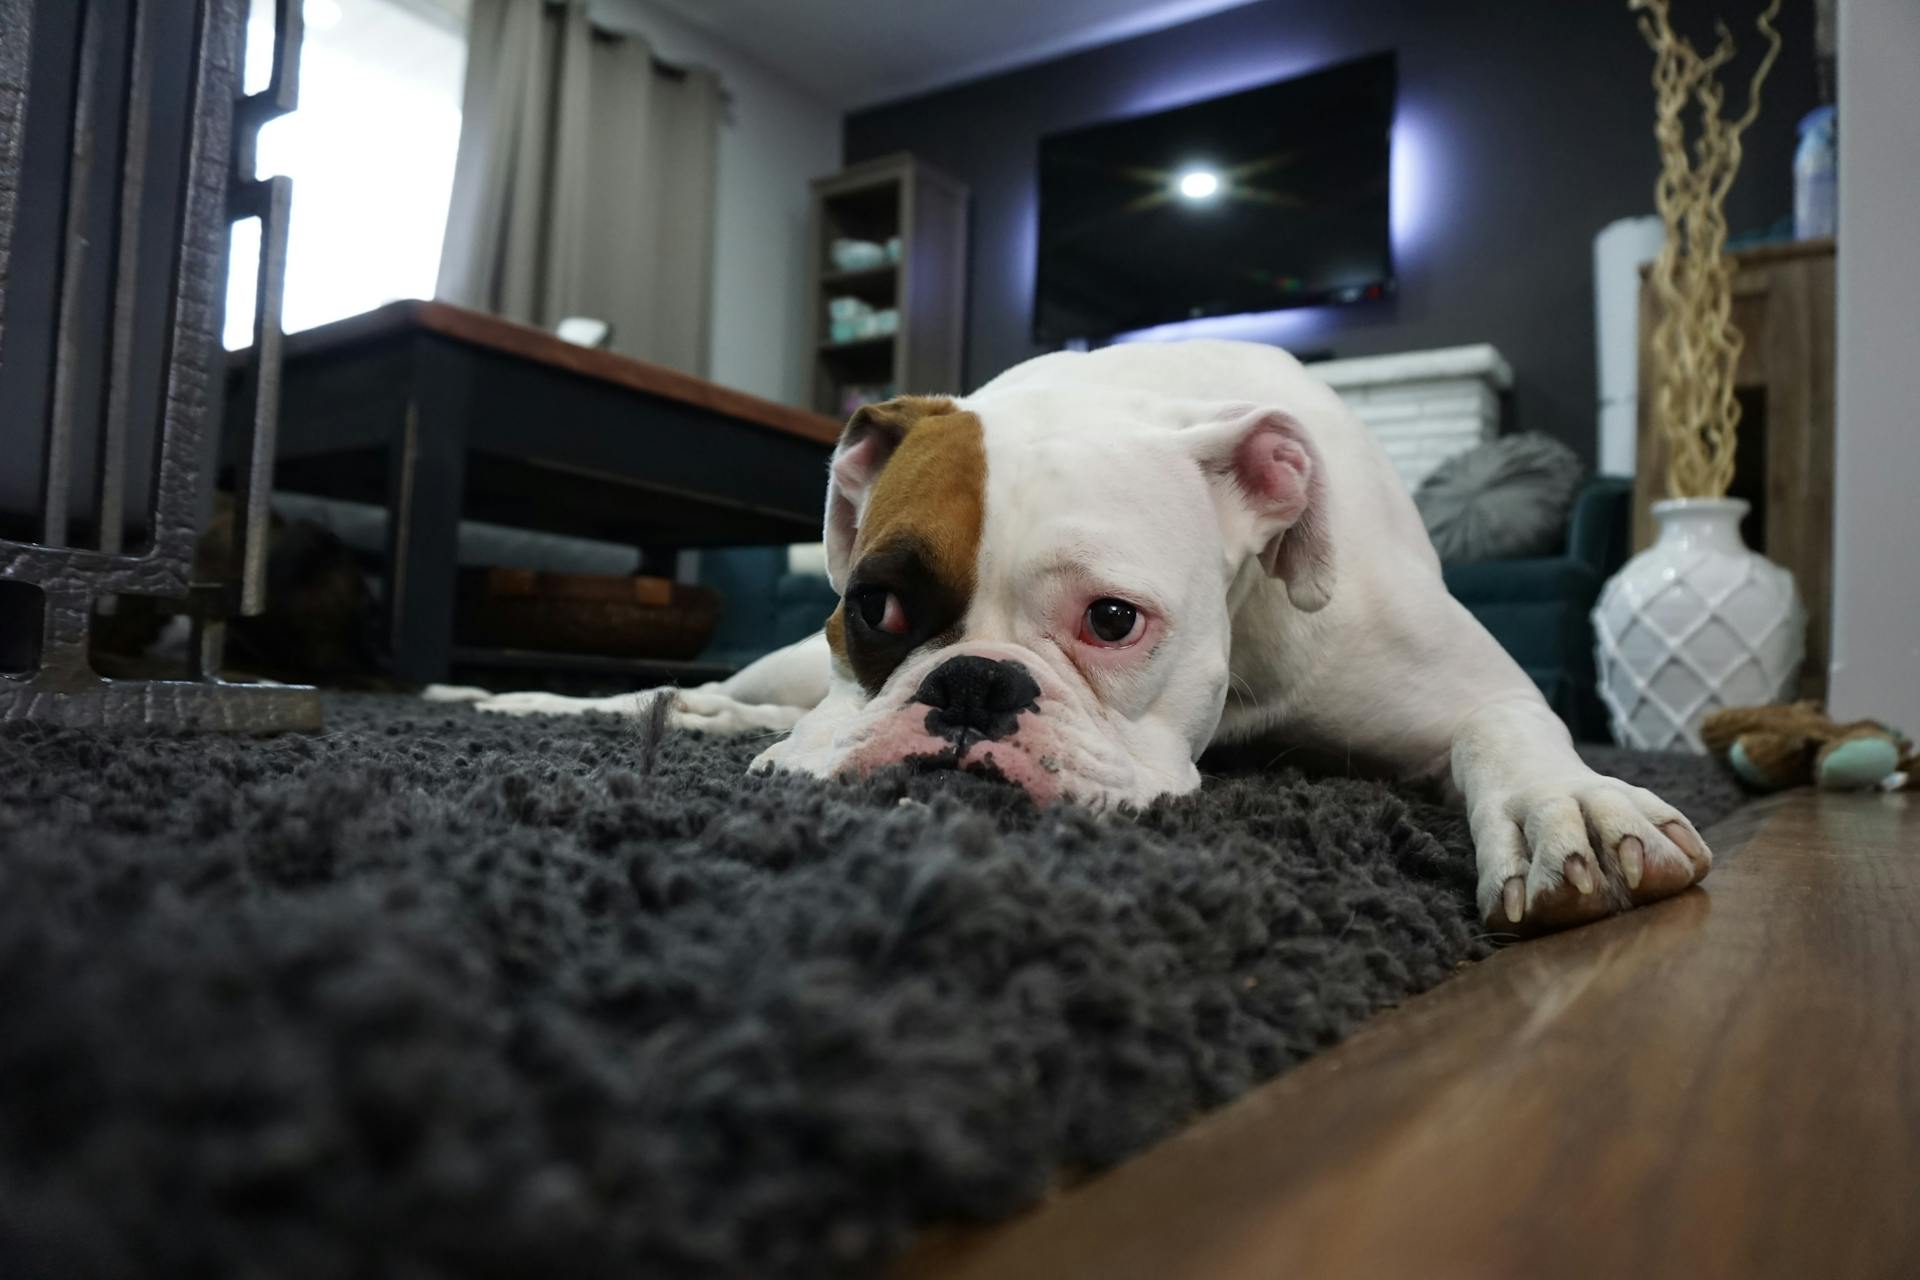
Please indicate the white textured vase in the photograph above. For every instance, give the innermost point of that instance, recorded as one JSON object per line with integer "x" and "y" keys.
{"x": 1694, "y": 623}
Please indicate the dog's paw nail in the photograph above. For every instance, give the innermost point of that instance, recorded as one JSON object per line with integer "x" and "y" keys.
{"x": 1514, "y": 898}
{"x": 1689, "y": 844}
{"x": 1580, "y": 874}
{"x": 1632, "y": 860}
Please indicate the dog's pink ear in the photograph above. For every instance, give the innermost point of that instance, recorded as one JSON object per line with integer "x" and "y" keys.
{"x": 871, "y": 436}
{"x": 1270, "y": 490}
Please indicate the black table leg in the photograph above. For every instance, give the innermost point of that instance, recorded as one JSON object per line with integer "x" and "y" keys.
{"x": 658, "y": 562}
{"x": 426, "y": 478}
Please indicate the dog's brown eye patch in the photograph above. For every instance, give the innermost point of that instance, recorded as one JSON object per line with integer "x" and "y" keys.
{"x": 919, "y": 538}
{"x": 895, "y": 603}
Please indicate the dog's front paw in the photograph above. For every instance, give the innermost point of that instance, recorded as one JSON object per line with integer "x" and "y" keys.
{"x": 1560, "y": 853}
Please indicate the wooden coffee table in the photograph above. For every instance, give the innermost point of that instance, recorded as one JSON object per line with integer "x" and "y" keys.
{"x": 439, "y": 413}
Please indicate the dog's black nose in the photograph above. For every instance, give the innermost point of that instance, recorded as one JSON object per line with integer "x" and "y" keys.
{"x": 977, "y": 698}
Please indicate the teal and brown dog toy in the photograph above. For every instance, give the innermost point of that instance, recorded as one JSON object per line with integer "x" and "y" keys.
{"x": 1771, "y": 748}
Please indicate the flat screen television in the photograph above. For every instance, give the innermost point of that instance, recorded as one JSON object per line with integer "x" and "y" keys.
{"x": 1271, "y": 197}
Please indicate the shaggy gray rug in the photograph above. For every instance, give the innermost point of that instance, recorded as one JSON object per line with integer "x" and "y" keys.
{"x": 443, "y": 995}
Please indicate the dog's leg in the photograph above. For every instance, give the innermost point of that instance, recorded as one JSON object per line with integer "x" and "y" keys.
{"x": 768, "y": 696}
{"x": 1403, "y": 675}
{"x": 795, "y": 676}
{"x": 1555, "y": 843}
{"x": 455, "y": 693}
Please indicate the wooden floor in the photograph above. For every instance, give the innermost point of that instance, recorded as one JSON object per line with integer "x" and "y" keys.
{"x": 1727, "y": 1084}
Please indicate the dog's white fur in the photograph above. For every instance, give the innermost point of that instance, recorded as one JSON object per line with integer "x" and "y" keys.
{"x": 1113, "y": 472}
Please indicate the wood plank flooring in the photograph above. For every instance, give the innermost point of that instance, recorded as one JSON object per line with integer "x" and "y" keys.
{"x": 1727, "y": 1084}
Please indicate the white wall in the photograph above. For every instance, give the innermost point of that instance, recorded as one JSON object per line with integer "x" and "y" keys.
{"x": 776, "y": 139}
{"x": 1876, "y": 597}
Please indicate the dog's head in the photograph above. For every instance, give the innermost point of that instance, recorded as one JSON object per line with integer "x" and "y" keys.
{"x": 1049, "y": 601}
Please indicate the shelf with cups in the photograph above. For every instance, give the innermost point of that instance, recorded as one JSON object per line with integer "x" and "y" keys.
{"x": 868, "y": 346}
{"x": 887, "y": 252}
{"x": 875, "y": 286}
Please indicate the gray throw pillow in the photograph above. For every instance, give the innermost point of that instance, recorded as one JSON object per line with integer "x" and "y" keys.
{"x": 1501, "y": 500}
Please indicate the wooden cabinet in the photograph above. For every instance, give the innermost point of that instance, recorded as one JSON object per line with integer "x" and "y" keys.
{"x": 898, "y": 199}
{"x": 1783, "y": 465}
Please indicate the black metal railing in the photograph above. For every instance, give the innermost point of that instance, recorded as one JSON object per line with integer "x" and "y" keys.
{"x": 147, "y": 97}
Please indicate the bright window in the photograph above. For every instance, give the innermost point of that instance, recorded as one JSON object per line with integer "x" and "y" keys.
{"x": 370, "y": 151}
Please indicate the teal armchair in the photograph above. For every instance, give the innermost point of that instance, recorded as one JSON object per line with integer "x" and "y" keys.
{"x": 1540, "y": 609}
{"x": 765, "y": 606}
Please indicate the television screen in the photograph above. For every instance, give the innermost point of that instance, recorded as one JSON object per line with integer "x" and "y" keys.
{"x": 1272, "y": 197}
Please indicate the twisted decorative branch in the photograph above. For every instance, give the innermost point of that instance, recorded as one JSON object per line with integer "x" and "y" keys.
{"x": 1695, "y": 346}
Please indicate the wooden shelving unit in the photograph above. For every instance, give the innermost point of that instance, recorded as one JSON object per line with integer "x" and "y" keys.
{"x": 893, "y": 195}
{"x": 1783, "y": 303}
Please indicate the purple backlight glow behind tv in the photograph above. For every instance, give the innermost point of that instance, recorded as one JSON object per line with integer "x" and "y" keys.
{"x": 1220, "y": 76}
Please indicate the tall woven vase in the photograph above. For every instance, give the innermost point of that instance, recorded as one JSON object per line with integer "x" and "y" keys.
{"x": 1694, "y": 623}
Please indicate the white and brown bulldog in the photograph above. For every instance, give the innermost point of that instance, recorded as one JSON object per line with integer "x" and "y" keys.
{"x": 1084, "y": 574}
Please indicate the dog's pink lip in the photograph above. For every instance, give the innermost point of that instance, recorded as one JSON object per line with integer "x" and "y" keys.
{"x": 1005, "y": 761}
{"x": 997, "y": 760}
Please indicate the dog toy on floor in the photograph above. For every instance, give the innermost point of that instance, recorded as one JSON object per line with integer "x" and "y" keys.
{"x": 1789, "y": 746}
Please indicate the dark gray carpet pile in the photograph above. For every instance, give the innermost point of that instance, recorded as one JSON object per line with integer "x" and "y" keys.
{"x": 443, "y": 995}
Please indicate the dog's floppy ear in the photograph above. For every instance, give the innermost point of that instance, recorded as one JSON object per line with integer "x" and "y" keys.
{"x": 871, "y": 436}
{"x": 1270, "y": 488}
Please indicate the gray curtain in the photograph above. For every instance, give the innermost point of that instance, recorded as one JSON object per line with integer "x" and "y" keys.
{"x": 585, "y": 182}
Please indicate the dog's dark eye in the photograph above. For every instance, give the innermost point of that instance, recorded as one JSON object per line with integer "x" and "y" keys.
{"x": 1111, "y": 622}
{"x": 880, "y": 609}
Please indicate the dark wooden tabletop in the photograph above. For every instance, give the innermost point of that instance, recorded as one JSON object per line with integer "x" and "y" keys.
{"x": 1727, "y": 1084}
{"x": 477, "y": 329}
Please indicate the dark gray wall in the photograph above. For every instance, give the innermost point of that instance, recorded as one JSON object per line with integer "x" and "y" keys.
{"x": 1524, "y": 127}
